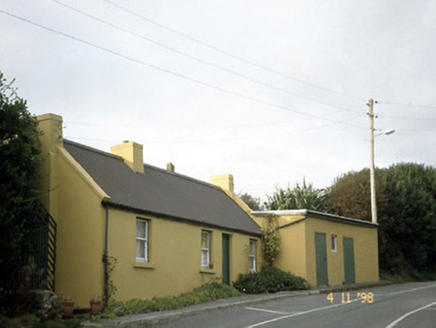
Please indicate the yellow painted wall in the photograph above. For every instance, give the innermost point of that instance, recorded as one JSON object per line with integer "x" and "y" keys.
{"x": 74, "y": 201}
{"x": 80, "y": 234}
{"x": 174, "y": 256}
{"x": 292, "y": 256}
{"x": 365, "y": 251}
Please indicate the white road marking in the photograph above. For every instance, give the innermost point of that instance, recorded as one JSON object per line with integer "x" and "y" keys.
{"x": 406, "y": 291}
{"x": 407, "y": 314}
{"x": 265, "y": 310}
{"x": 300, "y": 313}
{"x": 340, "y": 304}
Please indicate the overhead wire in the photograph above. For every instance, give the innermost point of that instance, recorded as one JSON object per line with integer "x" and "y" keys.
{"x": 406, "y": 105}
{"x": 229, "y": 139}
{"x": 408, "y": 118}
{"x": 227, "y": 53}
{"x": 253, "y": 99}
{"x": 202, "y": 61}
{"x": 190, "y": 128}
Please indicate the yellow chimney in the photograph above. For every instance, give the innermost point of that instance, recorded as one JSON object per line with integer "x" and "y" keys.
{"x": 51, "y": 127}
{"x": 225, "y": 181}
{"x": 132, "y": 153}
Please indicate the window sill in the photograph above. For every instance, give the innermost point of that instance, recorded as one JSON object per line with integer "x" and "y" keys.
{"x": 143, "y": 265}
{"x": 207, "y": 271}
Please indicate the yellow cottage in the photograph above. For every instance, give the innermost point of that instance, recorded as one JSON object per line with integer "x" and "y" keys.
{"x": 147, "y": 231}
{"x": 325, "y": 249}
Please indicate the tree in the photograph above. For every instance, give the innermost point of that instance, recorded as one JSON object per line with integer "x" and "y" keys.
{"x": 350, "y": 195}
{"x": 252, "y": 202}
{"x": 19, "y": 160}
{"x": 410, "y": 220}
{"x": 303, "y": 196}
{"x": 406, "y": 206}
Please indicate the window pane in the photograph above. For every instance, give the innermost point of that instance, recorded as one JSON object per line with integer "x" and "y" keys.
{"x": 140, "y": 249}
{"x": 252, "y": 264}
{"x": 204, "y": 258}
{"x": 140, "y": 229}
{"x": 252, "y": 248}
{"x": 205, "y": 239}
{"x": 334, "y": 243}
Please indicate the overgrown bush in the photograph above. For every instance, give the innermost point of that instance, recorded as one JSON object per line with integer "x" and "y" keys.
{"x": 270, "y": 240}
{"x": 203, "y": 294}
{"x": 269, "y": 280}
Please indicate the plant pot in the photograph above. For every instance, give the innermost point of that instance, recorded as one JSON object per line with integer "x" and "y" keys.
{"x": 95, "y": 307}
{"x": 67, "y": 308}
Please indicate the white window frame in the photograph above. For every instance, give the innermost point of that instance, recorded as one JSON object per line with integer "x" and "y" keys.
{"x": 334, "y": 241}
{"x": 145, "y": 240}
{"x": 205, "y": 251}
{"x": 252, "y": 255}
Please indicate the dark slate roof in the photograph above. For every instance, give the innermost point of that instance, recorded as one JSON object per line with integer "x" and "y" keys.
{"x": 160, "y": 192}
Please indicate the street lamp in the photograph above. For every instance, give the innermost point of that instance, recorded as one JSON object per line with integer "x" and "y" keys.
{"x": 371, "y": 150}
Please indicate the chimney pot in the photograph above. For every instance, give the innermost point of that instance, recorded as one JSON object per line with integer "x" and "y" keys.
{"x": 170, "y": 167}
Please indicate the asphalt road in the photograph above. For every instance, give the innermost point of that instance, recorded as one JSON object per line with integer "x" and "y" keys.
{"x": 399, "y": 306}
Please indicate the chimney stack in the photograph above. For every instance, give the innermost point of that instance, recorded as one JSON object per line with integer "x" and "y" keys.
{"x": 225, "y": 181}
{"x": 170, "y": 167}
{"x": 132, "y": 153}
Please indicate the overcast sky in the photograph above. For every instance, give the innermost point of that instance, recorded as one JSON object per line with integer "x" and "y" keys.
{"x": 269, "y": 91}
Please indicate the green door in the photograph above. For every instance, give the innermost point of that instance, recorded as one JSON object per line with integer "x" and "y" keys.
{"x": 349, "y": 272}
{"x": 321, "y": 259}
{"x": 226, "y": 259}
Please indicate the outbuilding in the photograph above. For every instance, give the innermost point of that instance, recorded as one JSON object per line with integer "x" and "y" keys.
{"x": 325, "y": 249}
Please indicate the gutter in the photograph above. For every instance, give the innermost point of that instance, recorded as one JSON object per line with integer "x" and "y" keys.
{"x": 137, "y": 211}
{"x": 316, "y": 215}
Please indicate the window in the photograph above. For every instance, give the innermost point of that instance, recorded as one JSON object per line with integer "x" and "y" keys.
{"x": 334, "y": 243}
{"x": 252, "y": 255}
{"x": 205, "y": 249}
{"x": 142, "y": 240}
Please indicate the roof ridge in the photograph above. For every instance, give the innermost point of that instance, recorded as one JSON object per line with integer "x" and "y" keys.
{"x": 95, "y": 150}
{"x": 148, "y": 166}
{"x": 182, "y": 176}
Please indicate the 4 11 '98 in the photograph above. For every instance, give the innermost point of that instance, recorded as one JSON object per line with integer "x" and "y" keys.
{"x": 346, "y": 298}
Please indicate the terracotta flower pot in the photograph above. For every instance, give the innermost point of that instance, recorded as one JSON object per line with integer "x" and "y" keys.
{"x": 95, "y": 307}
{"x": 67, "y": 308}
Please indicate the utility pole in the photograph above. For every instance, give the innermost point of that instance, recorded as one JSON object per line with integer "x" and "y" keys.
{"x": 372, "y": 166}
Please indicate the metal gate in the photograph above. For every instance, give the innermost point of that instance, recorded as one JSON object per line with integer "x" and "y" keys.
{"x": 43, "y": 248}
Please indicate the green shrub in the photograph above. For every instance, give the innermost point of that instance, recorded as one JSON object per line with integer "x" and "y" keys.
{"x": 269, "y": 280}
{"x": 203, "y": 294}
